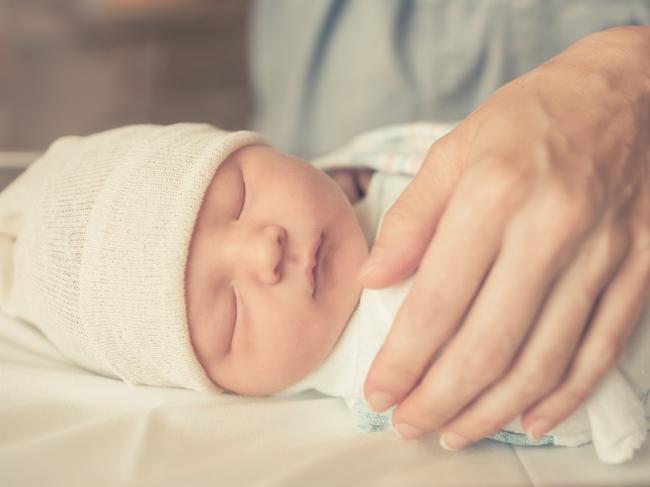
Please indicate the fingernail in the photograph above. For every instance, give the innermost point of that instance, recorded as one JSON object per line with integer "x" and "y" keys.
{"x": 380, "y": 401}
{"x": 406, "y": 431}
{"x": 453, "y": 442}
{"x": 536, "y": 430}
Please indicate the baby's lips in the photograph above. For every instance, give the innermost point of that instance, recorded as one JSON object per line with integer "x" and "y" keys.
{"x": 311, "y": 263}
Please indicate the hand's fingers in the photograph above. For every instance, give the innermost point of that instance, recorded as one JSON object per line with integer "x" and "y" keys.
{"x": 618, "y": 311}
{"x": 409, "y": 224}
{"x": 543, "y": 361}
{"x": 533, "y": 252}
{"x": 451, "y": 272}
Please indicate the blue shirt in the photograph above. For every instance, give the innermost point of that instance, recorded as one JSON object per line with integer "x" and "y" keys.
{"x": 325, "y": 70}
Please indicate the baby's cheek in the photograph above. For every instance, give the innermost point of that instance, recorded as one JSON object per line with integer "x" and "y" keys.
{"x": 304, "y": 346}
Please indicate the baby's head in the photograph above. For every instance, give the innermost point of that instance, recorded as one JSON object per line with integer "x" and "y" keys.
{"x": 270, "y": 274}
{"x": 187, "y": 256}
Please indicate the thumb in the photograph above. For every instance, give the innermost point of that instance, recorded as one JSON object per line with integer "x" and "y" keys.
{"x": 408, "y": 226}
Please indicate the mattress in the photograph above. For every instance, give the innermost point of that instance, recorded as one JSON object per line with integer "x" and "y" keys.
{"x": 63, "y": 425}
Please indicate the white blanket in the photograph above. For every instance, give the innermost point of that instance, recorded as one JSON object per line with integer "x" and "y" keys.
{"x": 63, "y": 426}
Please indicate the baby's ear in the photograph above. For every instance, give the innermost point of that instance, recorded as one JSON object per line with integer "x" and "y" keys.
{"x": 363, "y": 177}
{"x": 346, "y": 179}
{"x": 354, "y": 182}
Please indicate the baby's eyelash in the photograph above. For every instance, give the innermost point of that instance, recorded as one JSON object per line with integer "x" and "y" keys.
{"x": 235, "y": 314}
{"x": 243, "y": 196}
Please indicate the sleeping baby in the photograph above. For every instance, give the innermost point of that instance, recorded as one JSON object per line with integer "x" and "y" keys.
{"x": 186, "y": 256}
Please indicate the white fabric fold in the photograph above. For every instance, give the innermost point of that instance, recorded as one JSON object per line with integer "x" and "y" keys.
{"x": 617, "y": 419}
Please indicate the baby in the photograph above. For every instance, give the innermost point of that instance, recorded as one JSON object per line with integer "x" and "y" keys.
{"x": 187, "y": 256}
{"x": 181, "y": 256}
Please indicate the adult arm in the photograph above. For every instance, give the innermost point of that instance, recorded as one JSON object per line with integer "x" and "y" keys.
{"x": 528, "y": 227}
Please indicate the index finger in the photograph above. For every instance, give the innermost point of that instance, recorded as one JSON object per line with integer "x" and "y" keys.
{"x": 454, "y": 265}
{"x": 409, "y": 224}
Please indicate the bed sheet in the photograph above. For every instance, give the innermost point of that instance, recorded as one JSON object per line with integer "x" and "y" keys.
{"x": 62, "y": 425}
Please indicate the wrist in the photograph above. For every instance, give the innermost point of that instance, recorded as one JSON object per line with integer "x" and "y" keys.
{"x": 606, "y": 74}
{"x": 618, "y": 58}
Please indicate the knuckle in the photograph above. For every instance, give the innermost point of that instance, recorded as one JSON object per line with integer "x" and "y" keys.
{"x": 394, "y": 375}
{"x": 574, "y": 196}
{"x": 498, "y": 185}
{"x": 402, "y": 222}
{"x": 397, "y": 216}
{"x": 430, "y": 397}
{"x": 607, "y": 351}
{"x": 538, "y": 379}
{"x": 575, "y": 395}
{"x": 422, "y": 407}
{"x": 566, "y": 213}
{"x": 555, "y": 221}
{"x": 612, "y": 244}
{"x": 432, "y": 320}
{"x": 608, "y": 249}
{"x": 422, "y": 320}
{"x": 483, "y": 367}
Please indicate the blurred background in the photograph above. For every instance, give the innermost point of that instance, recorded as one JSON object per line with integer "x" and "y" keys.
{"x": 81, "y": 66}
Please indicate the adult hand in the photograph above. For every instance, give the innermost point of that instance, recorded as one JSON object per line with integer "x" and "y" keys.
{"x": 530, "y": 225}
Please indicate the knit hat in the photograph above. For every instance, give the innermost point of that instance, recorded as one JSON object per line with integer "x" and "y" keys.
{"x": 102, "y": 243}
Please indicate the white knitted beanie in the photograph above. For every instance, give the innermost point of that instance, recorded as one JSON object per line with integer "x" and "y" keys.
{"x": 100, "y": 254}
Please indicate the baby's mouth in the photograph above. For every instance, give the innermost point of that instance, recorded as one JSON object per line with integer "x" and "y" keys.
{"x": 316, "y": 268}
{"x": 313, "y": 264}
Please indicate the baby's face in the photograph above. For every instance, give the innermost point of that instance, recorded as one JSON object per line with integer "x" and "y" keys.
{"x": 270, "y": 273}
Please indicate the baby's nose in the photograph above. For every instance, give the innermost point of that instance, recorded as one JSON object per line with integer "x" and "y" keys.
{"x": 267, "y": 253}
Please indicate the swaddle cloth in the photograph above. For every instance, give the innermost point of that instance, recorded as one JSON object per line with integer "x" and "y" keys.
{"x": 613, "y": 417}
